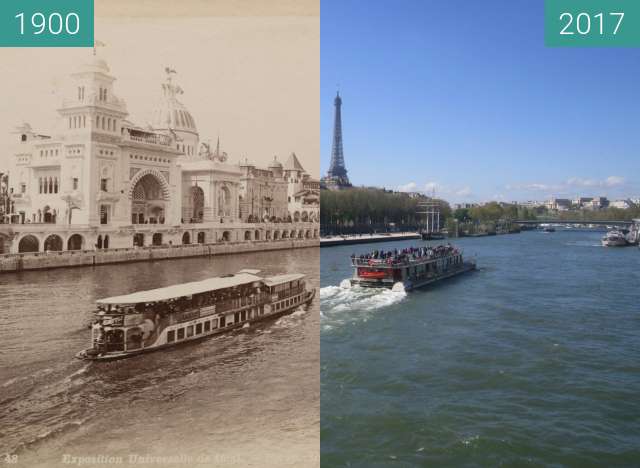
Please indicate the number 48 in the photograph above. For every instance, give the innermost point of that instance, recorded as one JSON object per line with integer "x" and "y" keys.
{"x": 583, "y": 23}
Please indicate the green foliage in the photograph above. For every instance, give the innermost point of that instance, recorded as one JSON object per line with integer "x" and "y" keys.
{"x": 367, "y": 206}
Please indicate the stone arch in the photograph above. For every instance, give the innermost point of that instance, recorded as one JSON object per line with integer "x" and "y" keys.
{"x": 75, "y": 242}
{"x": 186, "y": 238}
{"x": 166, "y": 190}
{"x": 29, "y": 243}
{"x": 53, "y": 243}
{"x": 201, "y": 237}
{"x": 150, "y": 195}
{"x": 247, "y": 235}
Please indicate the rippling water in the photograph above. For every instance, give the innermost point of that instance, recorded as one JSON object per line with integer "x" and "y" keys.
{"x": 250, "y": 398}
{"x": 532, "y": 361}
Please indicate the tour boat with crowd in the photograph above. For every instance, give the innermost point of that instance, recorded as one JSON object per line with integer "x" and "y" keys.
{"x": 149, "y": 320}
{"x": 406, "y": 269}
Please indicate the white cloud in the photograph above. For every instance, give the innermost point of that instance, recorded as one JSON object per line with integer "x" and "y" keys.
{"x": 410, "y": 187}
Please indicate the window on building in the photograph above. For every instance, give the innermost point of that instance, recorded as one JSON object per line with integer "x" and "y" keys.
{"x": 199, "y": 328}
{"x": 24, "y": 138}
{"x": 74, "y": 183}
{"x": 103, "y": 184}
{"x": 23, "y": 187}
{"x": 207, "y": 326}
{"x": 189, "y": 331}
{"x": 181, "y": 333}
{"x": 104, "y": 214}
{"x": 55, "y": 185}
{"x": 214, "y": 324}
{"x": 171, "y": 336}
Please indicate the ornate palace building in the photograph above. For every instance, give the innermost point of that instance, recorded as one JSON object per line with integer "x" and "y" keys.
{"x": 103, "y": 182}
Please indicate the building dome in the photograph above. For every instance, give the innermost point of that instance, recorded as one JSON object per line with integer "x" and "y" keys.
{"x": 172, "y": 118}
{"x": 170, "y": 113}
{"x": 275, "y": 164}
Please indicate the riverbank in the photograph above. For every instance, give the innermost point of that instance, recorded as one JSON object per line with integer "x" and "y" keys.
{"x": 367, "y": 238}
{"x": 75, "y": 258}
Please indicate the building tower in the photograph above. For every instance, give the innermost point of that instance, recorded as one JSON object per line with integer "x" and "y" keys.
{"x": 336, "y": 178}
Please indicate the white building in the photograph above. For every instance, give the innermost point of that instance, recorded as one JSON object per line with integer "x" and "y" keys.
{"x": 102, "y": 182}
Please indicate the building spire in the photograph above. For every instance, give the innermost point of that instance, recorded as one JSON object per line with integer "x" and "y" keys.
{"x": 337, "y": 174}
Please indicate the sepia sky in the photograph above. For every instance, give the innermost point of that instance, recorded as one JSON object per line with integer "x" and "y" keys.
{"x": 249, "y": 77}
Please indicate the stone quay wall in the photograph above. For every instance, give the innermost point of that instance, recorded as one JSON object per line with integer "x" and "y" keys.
{"x": 63, "y": 259}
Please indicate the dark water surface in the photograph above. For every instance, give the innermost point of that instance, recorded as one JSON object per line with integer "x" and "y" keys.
{"x": 532, "y": 361}
{"x": 249, "y": 398}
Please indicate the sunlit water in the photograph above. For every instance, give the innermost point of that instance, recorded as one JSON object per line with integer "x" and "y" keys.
{"x": 534, "y": 360}
{"x": 249, "y": 398}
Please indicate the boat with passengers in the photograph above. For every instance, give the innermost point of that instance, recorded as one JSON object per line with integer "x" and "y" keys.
{"x": 159, "y": 318}
{"x": 409, "y": 268}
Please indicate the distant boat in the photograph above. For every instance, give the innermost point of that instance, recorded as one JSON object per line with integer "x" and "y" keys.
{"x": 614, "y": 239}
{"x": 549, "y": 229}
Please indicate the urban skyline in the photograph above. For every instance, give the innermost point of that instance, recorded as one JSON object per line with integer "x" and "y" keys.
{"x": 478, "y": 117}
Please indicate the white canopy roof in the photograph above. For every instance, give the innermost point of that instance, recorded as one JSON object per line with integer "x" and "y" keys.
{"x": 274, "y": 280}
{"x": 179, "y": 290}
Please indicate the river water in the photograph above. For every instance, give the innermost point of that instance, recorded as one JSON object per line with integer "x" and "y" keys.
{"x": 249, "y": 398}
{"x": 534, "y": 360}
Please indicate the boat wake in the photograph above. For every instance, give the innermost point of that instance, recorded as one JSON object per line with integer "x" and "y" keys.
{"x": 335, "y": 301}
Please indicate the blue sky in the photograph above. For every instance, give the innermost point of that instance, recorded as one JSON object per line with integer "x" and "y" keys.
{"x": 464, "y": 96}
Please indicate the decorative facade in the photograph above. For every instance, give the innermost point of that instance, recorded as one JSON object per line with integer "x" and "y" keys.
{"x": 103, "y": 182}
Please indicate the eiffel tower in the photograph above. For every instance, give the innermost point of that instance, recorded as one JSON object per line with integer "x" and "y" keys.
{"x": 336, "y": 177}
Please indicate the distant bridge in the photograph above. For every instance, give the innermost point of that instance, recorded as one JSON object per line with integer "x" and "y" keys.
{"x": 536, "y": 222}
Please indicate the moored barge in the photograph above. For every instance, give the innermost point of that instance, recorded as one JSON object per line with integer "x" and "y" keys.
{"x": 159, "y": 318}
{"x": 407, "y": 269}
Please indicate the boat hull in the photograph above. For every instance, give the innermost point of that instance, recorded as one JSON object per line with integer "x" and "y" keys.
{"x": 410, "y": 285}
{"x": 88, "y": 355}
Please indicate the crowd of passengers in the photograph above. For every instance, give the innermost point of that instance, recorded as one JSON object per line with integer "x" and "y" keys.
{"x": 198, "y": 300}
{"x": 409, "y": 253}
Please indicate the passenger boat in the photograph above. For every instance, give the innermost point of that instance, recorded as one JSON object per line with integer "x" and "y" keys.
{"x": 404, "y": 270}
{"x": 614, "y": 238}
{"x": 159, "y": 318}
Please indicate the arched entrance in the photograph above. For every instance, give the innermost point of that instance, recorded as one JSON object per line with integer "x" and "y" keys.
{"x": 157, "y": 239}
{"x": 226, "y": 236}
{"x": 29, "y": 244}
{"x": 138, "y": 240}
{"x": 201, "y": 238}
{"x": 196, "y": 197}
{"x": 75, "y": 242}
{"x": 224, "y": 201}
{"x": 186, "y": 238}
{"x": 149, "y": 200}
{"x": 53, "y": 243}
{"x": 247, "y": 235}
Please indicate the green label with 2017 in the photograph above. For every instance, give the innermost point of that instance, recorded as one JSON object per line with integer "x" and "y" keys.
{"x": 46, "y": 23}
{"x": 592, "y": 23}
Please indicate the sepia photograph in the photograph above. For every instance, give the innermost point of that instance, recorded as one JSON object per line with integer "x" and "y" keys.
{"x": 159, "y": 240}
